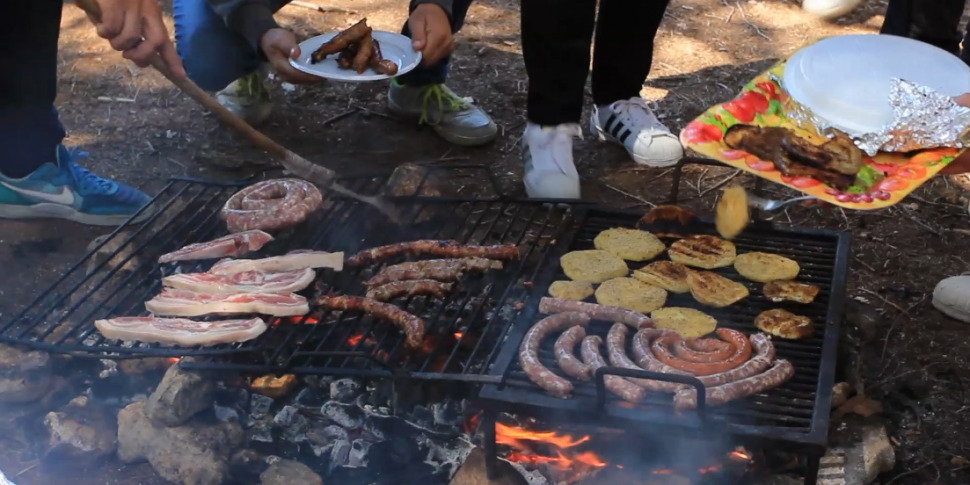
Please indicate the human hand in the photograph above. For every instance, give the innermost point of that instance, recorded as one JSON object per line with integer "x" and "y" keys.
{"x": 963, "y": 99}
{"x": 280, "y": 46}
{"x": 135, "y": 28}
{"x": 431, "y": 33}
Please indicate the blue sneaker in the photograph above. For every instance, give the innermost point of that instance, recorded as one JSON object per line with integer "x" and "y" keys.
{"x": 65, "y": 190}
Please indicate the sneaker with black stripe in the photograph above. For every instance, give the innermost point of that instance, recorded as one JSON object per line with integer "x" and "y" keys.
{"x": 631, "y": 124}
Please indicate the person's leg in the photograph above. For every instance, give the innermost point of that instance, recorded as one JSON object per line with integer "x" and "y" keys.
{"x": 622, "y": 58}
{"x": 935, "y": 22}
{"x": 38, "y": 176}
{"x": 218, "y": 59}
{"x": 422, "y": 93}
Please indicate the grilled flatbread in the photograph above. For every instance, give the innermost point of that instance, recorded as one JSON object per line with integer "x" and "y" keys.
{"x": 784, "y": 324}
{"x": 732, "y": 214}
{"x": 629, "y": 244}
{"x": 593, "y": 265}
{"x": 702, "y": 251}
{"x": 571, "y": 290}
{"x": 668, "y": 275}
{"x": 782, "y": 290}
{"x": 715, "y": 290}
{"x": 688, "y": 322}
{"x": 765, "y": 267}
{"x": 631, "y": 294}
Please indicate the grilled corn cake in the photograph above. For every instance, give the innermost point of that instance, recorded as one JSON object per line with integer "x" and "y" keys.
{"x": 765, "y": 267}
{"x": 687, "y": 322}
{"x": 715, "y": 290}
{"x": 629, "y": 244}
{"x": 732, "y": 214}
{"x": 593, "y": 265}
{"x": 668, "y": 275}
{"x": 787, "y": 290}
{"x": 702, "y": 251}
{"x": 631, "y": 294}
{"x": 784, "y": 324}
{"x": 571, "y": 290}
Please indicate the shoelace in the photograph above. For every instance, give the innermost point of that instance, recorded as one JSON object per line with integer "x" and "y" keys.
{"x": 86, "y": 180}
{"x": 446, "y": 101}
{"x": 638, "y": 112}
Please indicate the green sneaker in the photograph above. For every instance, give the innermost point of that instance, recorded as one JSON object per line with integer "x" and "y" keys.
{"x": 453, "y": 118}
{"x": 248, "y": 98}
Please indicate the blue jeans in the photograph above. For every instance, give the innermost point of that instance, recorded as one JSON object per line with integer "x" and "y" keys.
{"x": 214, "y": 56}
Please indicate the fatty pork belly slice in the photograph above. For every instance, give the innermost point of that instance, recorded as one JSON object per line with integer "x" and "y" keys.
{"x": 180, "y": 303}
{"x": 294, "y": 260}
{"x": 231, "y": 245}
{"x": 245, "y": 282}
{"x": 180, "y": 331}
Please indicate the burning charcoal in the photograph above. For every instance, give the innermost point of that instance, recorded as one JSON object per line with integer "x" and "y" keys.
{"x": 194, "y": 453}
{"x": 288, "y": 472}
{"x": 358, "y": 453}
{"x": 286, "y": 415}
{"x": 323, "y": 438}
{"x": 421, "y": 417}
{"x": 24, "y": 375}
{"x": 348, "y": 416}
{"x": 339, "y": 454}
{"x": 309, "y": 396}
{"x": 261, "y": 432}
{"x": 376, "y": 427}
{"x": 245, "y": 466}
{"x": 293, "y": 423}
{"x": 274, "y": 387}
{"x": 259, "y": 405}
{"x": 447, "y": 413}
{"x": 344, "y": 390}
{"x": 180, "y": 395}
{"x": 81, "y": 432}
{"x": 382, "y": 394}
{"x": 224, "y": 414}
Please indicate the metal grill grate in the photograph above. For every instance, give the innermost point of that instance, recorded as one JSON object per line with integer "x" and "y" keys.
{"x": 796, "y": 412}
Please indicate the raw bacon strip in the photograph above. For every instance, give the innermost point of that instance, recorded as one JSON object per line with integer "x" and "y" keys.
{"x": 291, "y": 261}
{"x": 180, "y": 331}
{"x": 432, "y": 269}
{"x": 181, "y": 303}
{"x": 231, "y": 245}
{"x": 412, "y": 326}
{"x": 245, "y": 282}
{"x": 779, "y": 373}
{"x": 595, "y": 311}
{"x": 446, "y": 248}
{"x": 529, "y": 352}
{"x": 393, "y": 290}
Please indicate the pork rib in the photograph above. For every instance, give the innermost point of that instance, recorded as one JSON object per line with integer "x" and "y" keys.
{"x": 180, "y": 303}
{"x": 231, "y": 245}
{"x": 180, "y": 331}
{"x": 291, "y": 261}
{"x": 245, "y": 282}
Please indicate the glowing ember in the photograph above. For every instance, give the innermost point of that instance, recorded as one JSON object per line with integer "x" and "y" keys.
{"x": 574, "y": 465}
{"x": 173, "y": 360}
{"x": 297, "y": 320}
{"x": 355, "y": 339}
{"x": 458, "y": 335}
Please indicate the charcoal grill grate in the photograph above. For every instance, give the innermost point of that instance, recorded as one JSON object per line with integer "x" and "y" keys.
{"x": 796, "y": 413}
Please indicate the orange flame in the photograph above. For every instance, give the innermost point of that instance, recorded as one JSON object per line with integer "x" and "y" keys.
{"x": 173, "y": 360}
{"x": 507, "y": 435}
{"x": 574, "y": 464}
{"x": 297, "y": 320}
{"x": 458, "y": 335}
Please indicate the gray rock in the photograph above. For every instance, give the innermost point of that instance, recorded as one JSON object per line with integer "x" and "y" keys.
{"x": 80, "y": 432}
{"x": 346, "y": 415}
{"x": 179, "y": 396}
{"x": 289, "y": 472}
{"x": 339, "y": 454}
{"x": 259, "y": 405}
{"x": 195, "y": 453}
{"x": 224, "y": 414}
{"x": 245, "y": 466}
{"x": 286, "y": 416}
{"x": 327, "y": 435}
{"x": 358, "y": 453}
{"x": 25, "y": 376}
{"x": 344, "y": 390}
{"x": 261, "y": 432}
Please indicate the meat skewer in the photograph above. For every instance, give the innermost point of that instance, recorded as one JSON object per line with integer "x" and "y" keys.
{"x": 564, "y": 349}
{"x": 779, "y": 373}
{"x": 396, "y": 289}
{"x": 627, "y": 391}
{"x": 232, "y": 245}
{"x": 661, "y": 349}
{"x": 340, "y": 41}
{"x": 597, "y": 312}
{"x": 180, "y": 331}
{"x": 616, "y": 350}
{"x": 180, "y": 303}
{"x": 412, "y": 326}
{"x": 432, "y": 269}
{"x": 529, "y": 352}
{"x": 246, "y": 282}
{"x": 445, "y": 248}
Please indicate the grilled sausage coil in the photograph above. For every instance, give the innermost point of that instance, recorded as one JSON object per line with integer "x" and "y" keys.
{"x": 628, "y": 391}
{"x": 661, "y": 349}
{"x": 564, "y": 349}
{"x": 779, "y": 373}
{"x": 597, "y": 312}
{"x": 683, "y": 349}
{"x": 271, "y": 205}
{"x": 529, "y": 352}
{"x": 616, "y": 350}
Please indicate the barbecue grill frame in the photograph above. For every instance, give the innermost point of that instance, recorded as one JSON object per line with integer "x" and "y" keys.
{"x": 500, "y": 398}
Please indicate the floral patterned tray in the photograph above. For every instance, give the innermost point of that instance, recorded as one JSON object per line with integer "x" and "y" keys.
{"x": 884, "y": 180}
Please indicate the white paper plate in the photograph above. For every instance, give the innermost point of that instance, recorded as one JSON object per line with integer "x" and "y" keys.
{"x": 394, "y": 47}
{"x": 846, "y": 79}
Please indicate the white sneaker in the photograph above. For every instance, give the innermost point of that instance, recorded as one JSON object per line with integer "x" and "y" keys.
{"x": 549, "y": 171}
{"x": 829, "y": 9}
{"x": 952, "y": 297}
{"x": 631, "y": 124}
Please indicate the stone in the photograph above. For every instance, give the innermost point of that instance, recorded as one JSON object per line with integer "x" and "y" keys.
{"x": 245, "y": 466}
{"x": 137, "y": 367}
{"x": 288, "y": 472}
{"x": 878, "y": 455}
{"x": 81, "y": 432}
{"x": 840, "y": 394}
{"x": 25, "y": 375}
{"x": 358, "y": 453}
{"x": 259, "y": 405}
{"x": 180, "y": 395}
{"x": 446, "y": 413}
{"x": 346, "y": 415}
{"x": 344, "y": 390}
{"x": 473, "y": 472}
{"x": 195, "y": 453}
{"x": 273, "y": 386}
{"x": 225, "y": 414}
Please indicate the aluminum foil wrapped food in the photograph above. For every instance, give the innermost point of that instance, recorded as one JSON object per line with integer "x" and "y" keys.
{"x": 922, "y": 118}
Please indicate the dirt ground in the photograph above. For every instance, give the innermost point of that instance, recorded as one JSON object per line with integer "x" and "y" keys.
{"x": 140, "y": 130}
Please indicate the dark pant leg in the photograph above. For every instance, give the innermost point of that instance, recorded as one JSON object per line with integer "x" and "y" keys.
{"x": 932, "y": 21}
{"x": 438, "y": 72}
{"x": 556, "y": 36}
{"x": 29, "y": 127}
{"x": 623, "y": 47}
